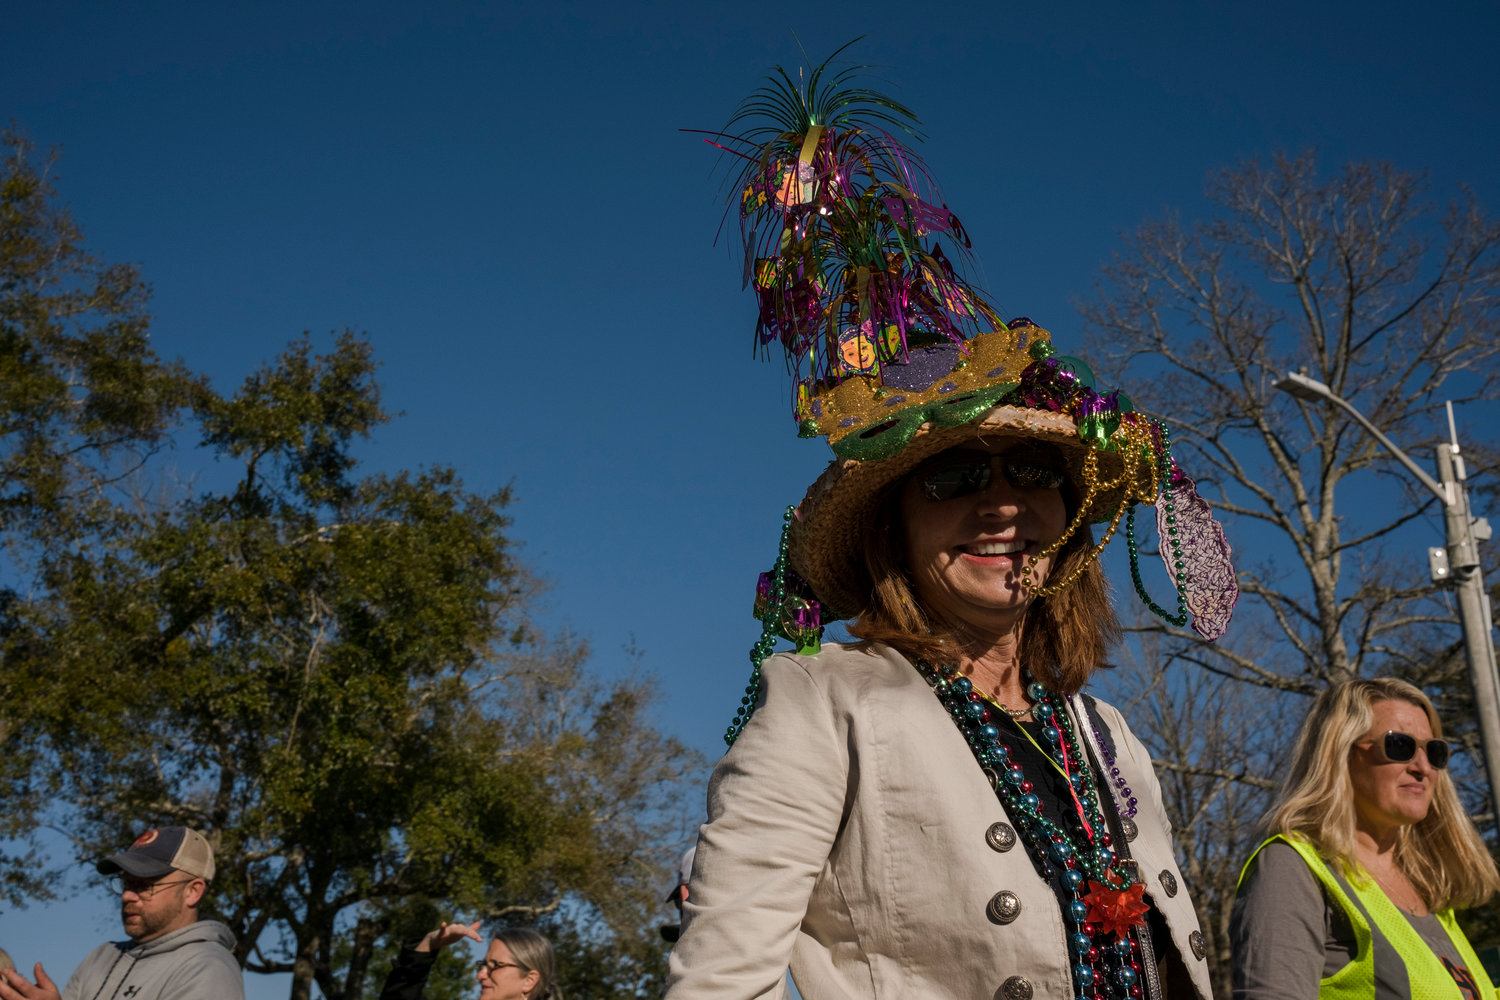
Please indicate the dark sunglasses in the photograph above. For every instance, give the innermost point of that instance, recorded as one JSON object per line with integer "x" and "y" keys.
{"x": 962, "y": 476}
{"x": 1401, "y": 747}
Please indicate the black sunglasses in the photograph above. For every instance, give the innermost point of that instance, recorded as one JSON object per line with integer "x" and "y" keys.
{"x": 1401, "y": 747}
{"x": 964, "y": 475}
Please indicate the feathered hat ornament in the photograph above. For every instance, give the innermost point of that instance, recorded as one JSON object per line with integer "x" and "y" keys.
{"x": 857, "y": 264}
{"x": 843, "y": 231}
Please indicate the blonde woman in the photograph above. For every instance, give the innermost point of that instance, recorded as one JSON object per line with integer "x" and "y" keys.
{"x": 1369, "y": 853}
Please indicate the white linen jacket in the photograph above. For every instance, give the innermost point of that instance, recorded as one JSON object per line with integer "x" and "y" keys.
{"x": 852, "y": 837}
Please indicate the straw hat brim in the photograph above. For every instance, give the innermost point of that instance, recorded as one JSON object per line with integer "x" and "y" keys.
{"x": 829, "y": 530}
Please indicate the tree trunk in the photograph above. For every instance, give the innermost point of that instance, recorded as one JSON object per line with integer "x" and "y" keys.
{"x": 366, "y": 933}
{"x": 304, "y": 968}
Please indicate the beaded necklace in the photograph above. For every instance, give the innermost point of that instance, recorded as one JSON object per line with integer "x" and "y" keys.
{"x": 1126, "y": 801}
{"x": 1168, "y": 522}
{"x": 1102, "y": 901}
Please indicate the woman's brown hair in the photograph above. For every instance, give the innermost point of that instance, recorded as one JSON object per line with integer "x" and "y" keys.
{"x": 1065, "y": 637}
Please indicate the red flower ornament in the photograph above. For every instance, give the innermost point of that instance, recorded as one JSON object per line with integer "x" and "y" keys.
{"x": 1115, "y": 910}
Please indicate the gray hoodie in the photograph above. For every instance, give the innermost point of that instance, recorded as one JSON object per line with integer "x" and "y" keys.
{"x": 193, "y": 963}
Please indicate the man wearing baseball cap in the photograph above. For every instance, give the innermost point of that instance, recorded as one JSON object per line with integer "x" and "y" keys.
{"x": 171, "y": 954}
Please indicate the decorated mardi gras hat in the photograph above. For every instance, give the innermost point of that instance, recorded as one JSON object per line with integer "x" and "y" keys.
{"x": 895, "y": 356}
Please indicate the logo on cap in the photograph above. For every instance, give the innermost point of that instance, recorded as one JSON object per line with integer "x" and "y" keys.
{"x": 146, "y": 838}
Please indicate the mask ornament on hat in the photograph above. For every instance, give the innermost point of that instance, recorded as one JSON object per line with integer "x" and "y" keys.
{"x": 896, "y": 357}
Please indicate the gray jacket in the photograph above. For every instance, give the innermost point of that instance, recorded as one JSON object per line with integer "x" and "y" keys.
{"x": 194, "y": 963}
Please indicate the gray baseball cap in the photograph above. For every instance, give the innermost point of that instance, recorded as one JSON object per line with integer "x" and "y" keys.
{"x": 159, "y": 851}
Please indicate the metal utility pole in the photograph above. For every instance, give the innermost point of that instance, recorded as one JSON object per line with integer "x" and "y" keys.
{"x": 1456, "y": 565}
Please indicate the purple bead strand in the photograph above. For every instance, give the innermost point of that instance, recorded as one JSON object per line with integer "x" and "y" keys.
{"x": 1124, "y": 797}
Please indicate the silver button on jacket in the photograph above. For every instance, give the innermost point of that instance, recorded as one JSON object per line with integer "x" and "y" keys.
{"x": 1004, "y": 907}
{"x": 1000, "y": 836}
{"x": 1014, "y": 988}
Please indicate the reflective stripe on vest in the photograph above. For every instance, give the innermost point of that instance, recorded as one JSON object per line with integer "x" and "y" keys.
{"x": 1391, "y": 961}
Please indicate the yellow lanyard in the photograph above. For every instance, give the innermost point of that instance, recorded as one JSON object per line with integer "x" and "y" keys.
{"x": 1032, "y": 740}
{"x": 1077, "y": 802}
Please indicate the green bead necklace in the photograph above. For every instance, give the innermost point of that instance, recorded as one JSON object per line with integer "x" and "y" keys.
{"x": 770, "y": 629}
{"x": 1181, "y": 617}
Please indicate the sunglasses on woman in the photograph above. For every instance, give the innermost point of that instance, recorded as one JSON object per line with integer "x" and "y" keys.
{"x": 1401, "y": 747}
{"x": 966, "y": 474}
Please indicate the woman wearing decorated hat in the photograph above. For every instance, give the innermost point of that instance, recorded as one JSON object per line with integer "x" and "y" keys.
{"x": 1369, "y": 852}
{"x": 935, "y": 810}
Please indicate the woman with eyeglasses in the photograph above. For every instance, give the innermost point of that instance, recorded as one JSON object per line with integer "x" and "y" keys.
{"x": 517, "y": 965}
{"x": 1369, "y": 853}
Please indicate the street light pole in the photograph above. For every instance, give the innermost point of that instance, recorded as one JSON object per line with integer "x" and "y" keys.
{"x": 1455, "y": 565}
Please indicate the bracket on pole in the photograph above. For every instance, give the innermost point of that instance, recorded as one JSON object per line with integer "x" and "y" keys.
{"x": 1437, "y": 566}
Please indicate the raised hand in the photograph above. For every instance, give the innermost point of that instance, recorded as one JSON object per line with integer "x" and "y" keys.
{"x": 14, "y": 986}
{"x": 436, "y": 940}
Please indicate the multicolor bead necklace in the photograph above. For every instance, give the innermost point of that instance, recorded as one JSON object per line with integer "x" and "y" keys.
{"x": 1105, "y": 902}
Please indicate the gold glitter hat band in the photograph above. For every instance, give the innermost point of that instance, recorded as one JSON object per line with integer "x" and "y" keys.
{"x": 943, "y": 385}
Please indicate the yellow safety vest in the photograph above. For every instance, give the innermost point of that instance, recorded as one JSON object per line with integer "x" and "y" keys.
{"x": 1391, "y": 960}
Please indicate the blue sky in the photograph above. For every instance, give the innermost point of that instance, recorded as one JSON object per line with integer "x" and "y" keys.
{"x": 500, "y": 196}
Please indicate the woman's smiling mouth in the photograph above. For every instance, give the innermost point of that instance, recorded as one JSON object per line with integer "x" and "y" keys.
{"x": 995, "y": 548}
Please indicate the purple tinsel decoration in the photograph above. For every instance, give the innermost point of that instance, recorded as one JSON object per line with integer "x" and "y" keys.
{"x": 1091, "y": 404}
{"x": 789, "y": 313}
{"x": 801, "y": 614}
{"x": 1047, "y": 385}
{"x": 924, "y": 215}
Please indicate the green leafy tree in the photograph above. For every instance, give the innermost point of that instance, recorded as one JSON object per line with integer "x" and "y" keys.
{"x": 83, "y": 397}
{"x": 333, "y": 676}
{"x": 83, "y": 402}
{"x": 629, "y": 967}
